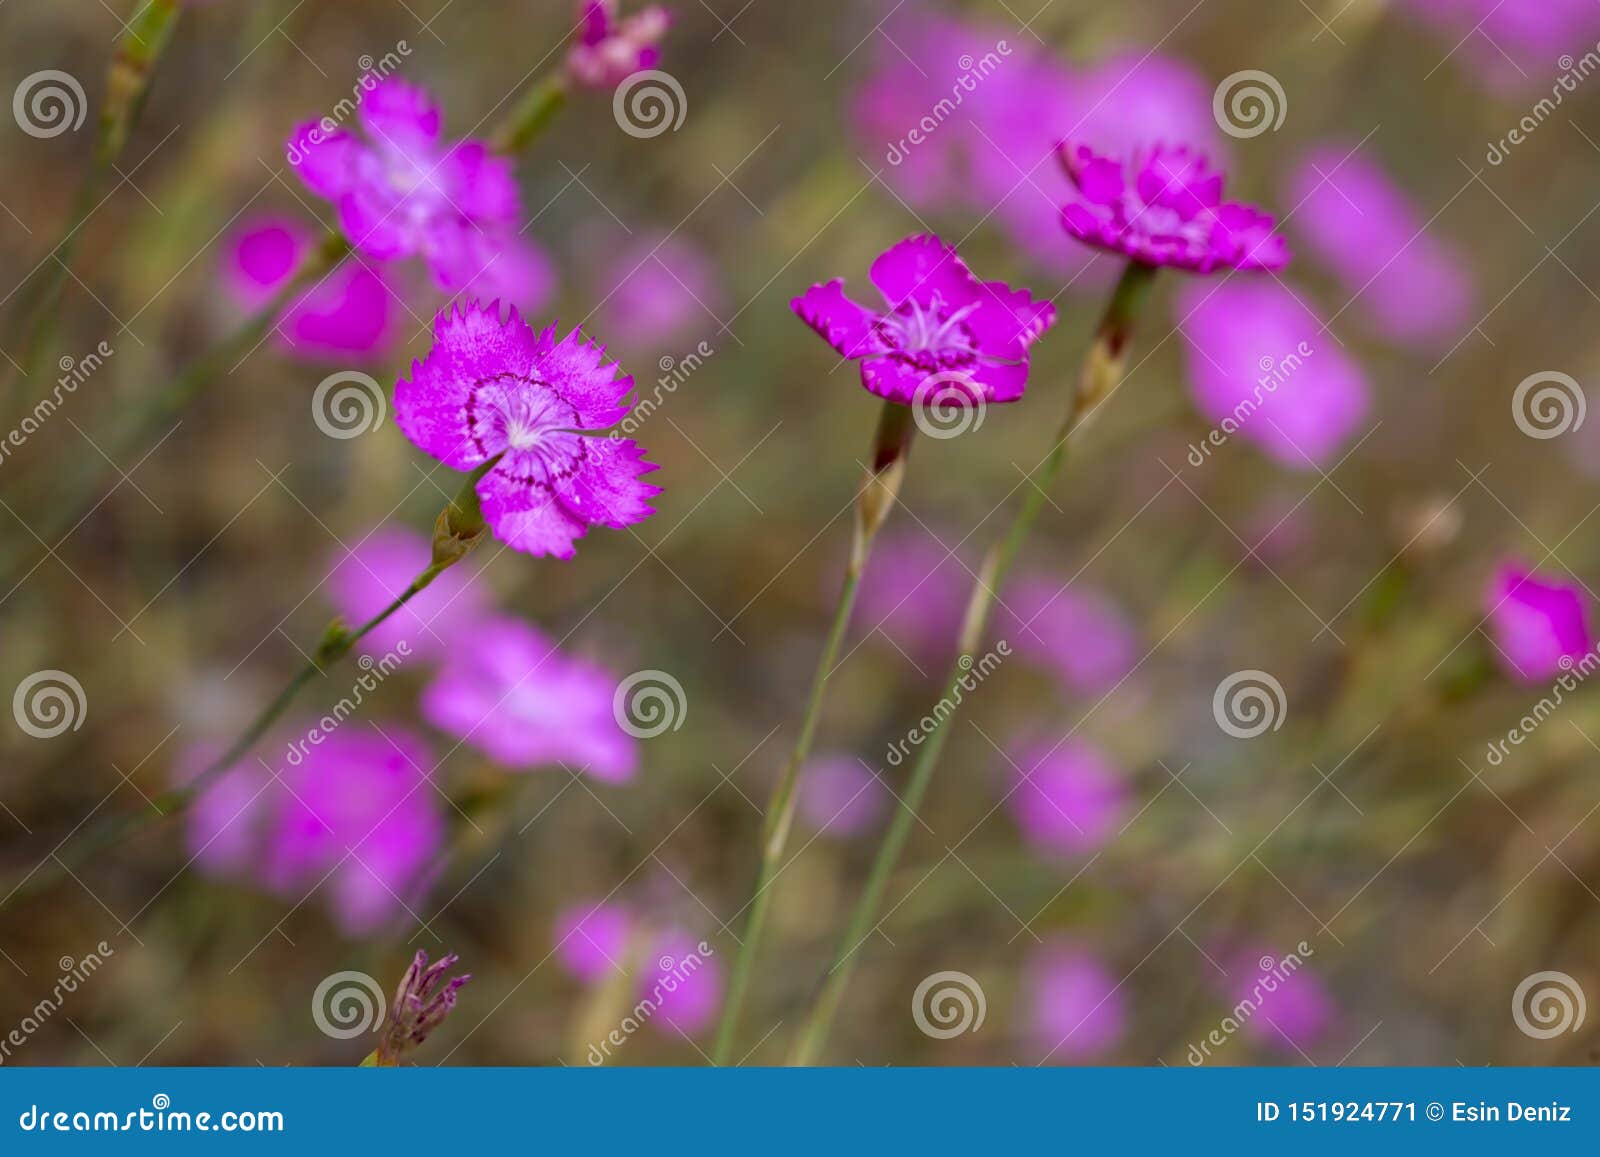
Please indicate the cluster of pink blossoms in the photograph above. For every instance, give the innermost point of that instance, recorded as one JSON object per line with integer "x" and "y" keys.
{"x": 360, "y": 811}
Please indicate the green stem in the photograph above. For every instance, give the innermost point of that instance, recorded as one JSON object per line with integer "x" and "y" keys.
{"x": 1101, "y": 371}
{"x": 531, "y": 116}
{"x": 133, "y": 64}
{"x": 876, "y": 499}
{"x": 459, "y": 528}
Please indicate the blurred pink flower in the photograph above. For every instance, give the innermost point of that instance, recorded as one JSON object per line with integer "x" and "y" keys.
{"x": 1068, "y": 800}
{"x": 657, "y": 288}
{"x": 1075, "y": 1009}
{"x": 1134, "y": 100}
{"x": 1080, "y": 635}
{"x": 349, "y": 313}
{"x": 1412, "y": 286}
{"x": 686, "y": 980}
{"x": 1291, "y": 1008}
{"x": 352, "y": 815}
{"x": 402, "y": 192}
{"x": 494, "y": 389}
{"x": 592, "y": 940}
{"x": 942, "y": 325}
{"x": 609, "y": 49}
{"x": 378, "y": 570}
{"x": 675, "y": 973}
{"x": 914, "y": 594}
{"x": 840, "y": 797}
{"x": 1262, "y": 367}
{"x": 1163, "y": 206}
{"x": 1513, "y": 43}
{"x": 509, "y": 691}
{"x": 913, "y": 116}
{"x": 1540, "y": 626}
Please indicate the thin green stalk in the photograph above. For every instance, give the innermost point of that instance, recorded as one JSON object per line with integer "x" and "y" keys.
{"x": 133, "y": 64}
{"x": 459, "y": 528}
{"x": 895, "y": 431}
{"x": 1101, "y": 370}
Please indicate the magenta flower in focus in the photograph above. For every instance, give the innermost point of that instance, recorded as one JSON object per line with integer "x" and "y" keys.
{"x": 1412, "y": 286}
{"x": 941, "y": 323}
{"x": 349, "y": 313}
{"x": 1069, "y": 800}
{"x": 1262, "y": 368}
{"x": 510, "y": 692}
{"x": 1074, "y": 1006}
{"x": 659, "y": 287}
{"x": 492, "y": 389}
{"x": 1540, "y": 626}
{"x": 839, "y": 797}
{"x": 351, "y": 816}
{"x": 1079, "y": 635}
{"x": 401, "y": 192}
{"x": 608, "y": 49}
{"x": 1164, "y": 207}
{"x": 592, "y": 940}
{"x": 377, "y": 571}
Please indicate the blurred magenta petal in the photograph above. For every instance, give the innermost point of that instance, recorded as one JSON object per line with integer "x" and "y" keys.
{"x": 1075, "y": 1009}
{"x": 1291, "y": 1008}
{"x": 659, "y": 288}
{"x": 610, "y": 47}
{"x": 352, "y": 816}
{"x": 1511, "y": 44}
{"x": 504, "y": 268}
{"x": 353, "y": 312}
{"x": 1412, "y": 286}
{"x": 1135, "y": 100}
{"x": 683, "y": 983}
{"x": 592, "y": 940}
{"x": 1262, "y": 368}
{"x": 1540, "y": 624}
{"x": 686, "y": 981}
{"x": 840, "y": 797}
{"x": 914, "y": 594}
{"x": 913, "y": 116}
{"x": 1079, "y": 634}
{"x": 218, "y": 834}
{"x": 378, "y": 570}
{"x": 509, "y": 691}
{"x": 1069, "y": 800}
{"x": 401, "y": 192}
